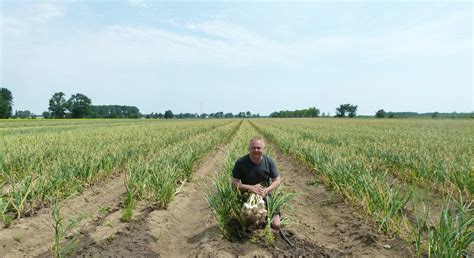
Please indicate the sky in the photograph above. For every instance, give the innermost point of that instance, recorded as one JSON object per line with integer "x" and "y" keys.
{"x": 233, "y": 56}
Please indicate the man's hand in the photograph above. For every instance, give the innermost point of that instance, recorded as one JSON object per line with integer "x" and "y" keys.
{"x": 258, "y": 189}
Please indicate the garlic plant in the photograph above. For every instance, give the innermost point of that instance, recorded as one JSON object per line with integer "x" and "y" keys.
{"x": 254, "y": 209}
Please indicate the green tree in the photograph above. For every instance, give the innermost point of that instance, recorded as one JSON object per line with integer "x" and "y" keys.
{"x": 352, "y": 110}
{"x": 116, "y": 111}
{"x": 58, "y": 105}
{"x": 310, "y": 112}
{"x": 23, "y": 114}
{"x": 346, "y": 108}
{"x": 6, "y": 103}
{"x": 47, "y": 115}
{"x": 220, "y": 114}
{"x": 79, "y": 105}
{"x": 341, "y": 110}
{"x": 380, "y": 114}
{"x": 168, "y": 114}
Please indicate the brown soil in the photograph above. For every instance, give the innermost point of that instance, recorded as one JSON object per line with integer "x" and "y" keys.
{"x": 32, "y": 236}
{"x": 323, "y": 225}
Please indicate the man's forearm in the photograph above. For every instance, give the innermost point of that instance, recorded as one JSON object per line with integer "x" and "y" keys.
{"x": 239, "y": 186}
{"x": 257, "y": 189}
{"x": 242, "y": 187}
{"x": 273, "y": 186}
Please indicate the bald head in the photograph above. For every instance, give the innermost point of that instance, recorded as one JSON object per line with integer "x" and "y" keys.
{"x": 257, "y": 139}
{"x": 256, "y": 149}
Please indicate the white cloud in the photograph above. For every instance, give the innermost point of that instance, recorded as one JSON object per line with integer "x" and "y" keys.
{"x": 223, "y": 43}
{"x": 437, "y": 37}
{"x": 220, "y": 42}
{"x": 226, "y": 31}
{"x": 47, "y": 11}
{"x": 30, "y": 18}
{"x": 12, "y": 27}
{"x": 145, "y": 45}
{"x": 137, "y": 3}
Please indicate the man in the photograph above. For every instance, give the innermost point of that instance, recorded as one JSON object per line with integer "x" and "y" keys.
{"x": 257, "y": 173}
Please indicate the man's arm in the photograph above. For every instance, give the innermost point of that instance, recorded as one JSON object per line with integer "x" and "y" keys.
{"x": 275, "y": 183}
{"x": 257, "y": 189}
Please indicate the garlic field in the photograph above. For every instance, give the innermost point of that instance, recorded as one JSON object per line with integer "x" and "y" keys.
{"x": 157, "y": 187}
{"x": 408, "y": 175}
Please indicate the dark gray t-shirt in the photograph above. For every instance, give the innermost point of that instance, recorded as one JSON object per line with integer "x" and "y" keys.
{"x": 252, "y": 174}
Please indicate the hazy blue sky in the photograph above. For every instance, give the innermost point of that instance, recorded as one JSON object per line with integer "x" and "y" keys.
{"x": 240, "y": 56}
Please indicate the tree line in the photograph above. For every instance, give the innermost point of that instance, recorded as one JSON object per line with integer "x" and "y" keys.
{"x": 382, "y": 114}
{"x": 80, "y": 106}
{"x": 115, "y": 111}
{"x": 77, "y": 106}
{"x": 342, "y": 111}
{"x": 169, "y": 114}
{"x": 310, "y": 112}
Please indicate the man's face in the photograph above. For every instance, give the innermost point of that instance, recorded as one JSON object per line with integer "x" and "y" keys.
{"x": 256, "y": 149}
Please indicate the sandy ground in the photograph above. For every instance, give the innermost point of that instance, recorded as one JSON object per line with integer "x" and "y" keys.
{"x": 323, "y": 225}
{"x": 32, "y": 236}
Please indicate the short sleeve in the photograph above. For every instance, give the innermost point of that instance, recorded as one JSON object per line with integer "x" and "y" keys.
{"x": 273, "y": 169}
{"x": 236, "y": 171}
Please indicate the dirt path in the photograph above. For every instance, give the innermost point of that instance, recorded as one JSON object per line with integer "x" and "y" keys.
{"x": 32, "y": 236}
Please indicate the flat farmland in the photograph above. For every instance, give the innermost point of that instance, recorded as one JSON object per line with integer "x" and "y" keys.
{"x": 384, "y": 187}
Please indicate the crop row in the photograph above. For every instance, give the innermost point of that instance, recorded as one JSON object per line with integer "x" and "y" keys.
{"x": 224, "y": 201}
{"x": 35, "y": 167}
{"x": 156, "y": 178}
{"x": 343, "y": 156}
{"x": 429, "y": 153}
